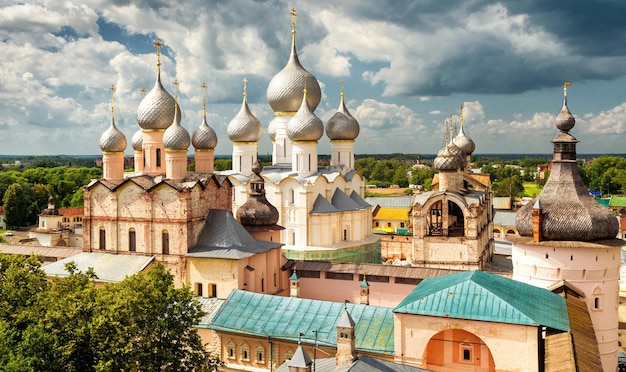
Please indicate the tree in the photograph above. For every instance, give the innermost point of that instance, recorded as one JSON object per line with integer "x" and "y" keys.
{"x": 511, "y": 186}
{"x": 16, "y": 206}
{"x": 68, "y": 324}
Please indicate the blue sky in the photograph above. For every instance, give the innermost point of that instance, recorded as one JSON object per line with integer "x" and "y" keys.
{"x": 407, "y": 66}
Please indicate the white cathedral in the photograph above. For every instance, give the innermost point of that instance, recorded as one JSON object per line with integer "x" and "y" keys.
{"x": 322, "y": 210}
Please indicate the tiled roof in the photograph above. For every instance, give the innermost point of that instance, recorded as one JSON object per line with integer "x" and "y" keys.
{"x": 392, "y": 214}
{"x": 392, "y": 202}
{"x": 287, "y": 317}
{"x": 108, "y": 267}
{"x": 71, "y": 211}
{"x": 478, "y": 295}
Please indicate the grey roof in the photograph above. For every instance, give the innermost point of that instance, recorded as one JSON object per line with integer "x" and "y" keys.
{"x": 321, "y": 205}
{"x": 363, "y": 363}
{"x": 149, "y": 183}
{"x": 108, "y": 267}
{"x": 359, "y": 200}
{"x": 392, "y": 202}
{"x": 345, "y": 320}
{"x": 502, "y": 202}
{"x": 343, "y": 202}
{"x": 223, "y": 237}
{"x": 504, "y": 218}
{"x": 300, "y": 359}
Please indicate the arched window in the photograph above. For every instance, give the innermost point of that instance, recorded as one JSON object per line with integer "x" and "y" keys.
{"x": 165, "y": 242}
{"x": 435, "y": 223}
{"x": 132, "y": 243}
{"x": 158, "y": 158}
{"x": 259, "y": 354}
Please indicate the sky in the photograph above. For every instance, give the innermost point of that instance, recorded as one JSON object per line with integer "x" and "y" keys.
{"x": 408, "y": 66}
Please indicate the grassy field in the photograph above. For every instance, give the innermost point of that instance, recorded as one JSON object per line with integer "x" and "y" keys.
{"x": 531, "y": 189}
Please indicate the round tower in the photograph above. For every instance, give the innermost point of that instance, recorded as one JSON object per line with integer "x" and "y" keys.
{"x": 567, "y": 236}
{"x": 176, "y": 141}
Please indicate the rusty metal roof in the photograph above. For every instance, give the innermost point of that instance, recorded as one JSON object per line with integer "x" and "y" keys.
{"x": 287, "y": 317}
{"x": 478, "y": 295}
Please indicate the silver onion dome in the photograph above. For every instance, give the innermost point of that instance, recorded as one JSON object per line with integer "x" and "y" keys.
{"x": 137, "y": 140}
{"x": 458, "y": 152}
{"x": 284, "y": 92}
{"x": 204, "y": 137}
{"x": 244, "y": 127}
{"x": 305, "y": 125}
{"x": 156, "y": 109}
{"x": 342, "y": 125}
{"x": 112, "y": 140}
{"x": 257, "y": 210}
{"x": 446, "y": 161}
{"x": 464, "y": 142}
{"x": 275, "y": 123}
{"x": 176, "y": 137}
{"x": 565, "y": 120}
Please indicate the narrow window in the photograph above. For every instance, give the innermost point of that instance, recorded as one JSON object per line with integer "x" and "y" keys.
{"x": 212, "y": 290}
{"x": 143, "y": 158}
{"x": 132, "y": 240}
{"x": 158, "y": 158}
{"x": 165, "y": 242}
{"x": 274, "y": 279}
{"x": 345, "y": 234}
{"x": 103, "y": 243}
{"x": 262, "y": 285}
{"x": 467, "y": 354}
{"x": 199, "y": 289}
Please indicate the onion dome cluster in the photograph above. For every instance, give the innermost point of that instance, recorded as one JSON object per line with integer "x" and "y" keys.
{"x": 113, "y": 140}
{"x": 342, "y": 125}
{"x": 257, "y": 210}
{"x": 305, "y": 125}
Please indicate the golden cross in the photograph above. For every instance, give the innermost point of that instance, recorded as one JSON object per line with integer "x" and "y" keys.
{"x": 112, "y": 89}
{"x": 204, "y": 86}
{"x": 565, "y": 85}
{"x": 245, "y": 81}
{"x": 293, "y": 14}
{"x": 342, "y": 86}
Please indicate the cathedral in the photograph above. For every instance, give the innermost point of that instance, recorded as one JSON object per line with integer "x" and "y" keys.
{"x": 322, "y": 209}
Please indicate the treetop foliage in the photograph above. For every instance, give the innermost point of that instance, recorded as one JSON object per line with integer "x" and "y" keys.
{"x": 69, "y": 324}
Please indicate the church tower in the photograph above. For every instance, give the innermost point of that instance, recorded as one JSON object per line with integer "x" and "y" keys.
{"x": 346, "y": 352}
{"x": 176, "y": 141}
{"x": 113, "y": 144}
{"x": 567, "y": 236}
{"x": 244, "y": 131}
{"x": 204, "y": 141}
{"x": 342, "y": 129}
{"x": 304, "y": 130}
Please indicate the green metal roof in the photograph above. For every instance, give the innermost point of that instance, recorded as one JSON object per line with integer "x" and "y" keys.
{"x": 617, "y": 201}
{"x": 478, "y": 295}
{"x": 286, "y": 317}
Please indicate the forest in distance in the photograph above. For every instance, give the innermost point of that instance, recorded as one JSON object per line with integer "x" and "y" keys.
{"x": 26, "y": 182}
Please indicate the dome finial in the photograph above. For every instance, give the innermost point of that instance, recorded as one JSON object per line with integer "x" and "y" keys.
{"x": 112, "y": 89}
{"x": 461, "y": 116}
{"x": 158, "y": 43}
{"x": 342, "y": 91}
{"x": 203, "y": 86}
{"x": 293, "y": 14}
{"x": 565, "y": 85}
{"x": 143, "y": 92}
{"x": 245, "y": 87}
{"x": 175, "y": 96}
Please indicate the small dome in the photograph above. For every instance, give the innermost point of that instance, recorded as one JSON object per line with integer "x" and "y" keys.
{"x": 342, "y": 126}
{"x": 446, "y": 161}
{"x": 305, "y": 125}
{"x": 137, "y": 140}
{"x": 112, "y": 140}
{"x": 464, "y": 142}
{"x": 284, "y": 92}
{"x": 204, "y": 137}
{"x": 156, "y": 109}
{"x": 245, "y": 127}
{"x": 176, "y": 137}
{"x": 257, "y": 210}
{"x": 565, "y": 120}
{"x": 458, "y": 153}
{"x": 277, "y": 122}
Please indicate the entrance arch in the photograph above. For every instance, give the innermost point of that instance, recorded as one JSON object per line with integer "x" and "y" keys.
{"x": 457, "y": 350}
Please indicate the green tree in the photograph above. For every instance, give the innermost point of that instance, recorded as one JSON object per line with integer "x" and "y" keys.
{"x": 16, "y": 206}
{"x": 512, "y": 186}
